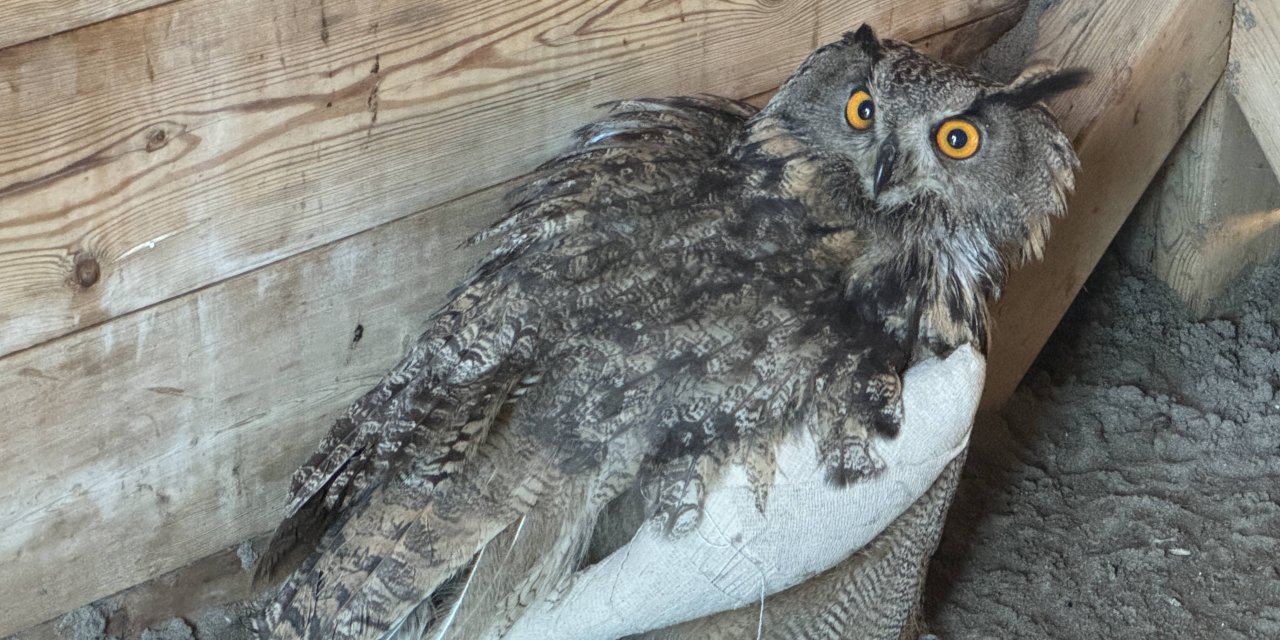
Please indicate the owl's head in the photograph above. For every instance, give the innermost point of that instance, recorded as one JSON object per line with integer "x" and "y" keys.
{"x": 937, "y": 149}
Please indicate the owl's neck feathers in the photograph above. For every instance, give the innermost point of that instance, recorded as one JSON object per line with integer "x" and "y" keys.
{"x": 931, "y": 289}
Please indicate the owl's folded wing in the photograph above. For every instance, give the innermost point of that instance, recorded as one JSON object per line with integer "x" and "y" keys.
{"x": 643, "y": 149}
{"x": 738, "y": 555}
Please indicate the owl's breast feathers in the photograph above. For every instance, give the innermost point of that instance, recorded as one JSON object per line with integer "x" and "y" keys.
{"x": 674, "y": 293}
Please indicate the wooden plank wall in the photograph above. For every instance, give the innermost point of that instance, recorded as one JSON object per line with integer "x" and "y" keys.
{"x": 202, "y": 139}
{"x": 1154, "y": 62}
{"x": 220, "y": 220}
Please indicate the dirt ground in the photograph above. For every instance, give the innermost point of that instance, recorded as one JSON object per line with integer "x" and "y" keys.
{"x": 1131, "y": 488}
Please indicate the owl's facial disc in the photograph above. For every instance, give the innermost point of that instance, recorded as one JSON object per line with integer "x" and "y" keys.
{"x": 932, "y": 146}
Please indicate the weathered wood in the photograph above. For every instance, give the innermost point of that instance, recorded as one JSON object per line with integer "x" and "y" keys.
{"x": 1254, "y": 76}
{"x": 27, "y": 20}
{"x": 166, "y": 150}
{"x": 962, "y": 43}
{"x": 1215, "y": 209}
{"x": 136, "y": 446}
{"x": 189, "y": 593}
{"x": 163, "y": 435}
{"x": 1153, "y": 61}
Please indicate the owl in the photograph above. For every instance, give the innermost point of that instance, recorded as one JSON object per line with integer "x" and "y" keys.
{"x": 690, "y": 287}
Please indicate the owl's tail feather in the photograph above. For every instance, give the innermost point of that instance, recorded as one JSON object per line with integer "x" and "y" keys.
{"x": 399, "y": 547}
{"x": 528, "y": 561}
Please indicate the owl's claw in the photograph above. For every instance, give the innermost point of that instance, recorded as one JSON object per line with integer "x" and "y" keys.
{"x": 676, "y": 496}
{"x": 847, "y": 448}
{"x": 883, "y": 411}
{"x": 848, "y": 457}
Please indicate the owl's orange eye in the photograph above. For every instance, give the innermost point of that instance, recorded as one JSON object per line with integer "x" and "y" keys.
{"x": 957, "y": 139}
{"x": 860, "y": 111}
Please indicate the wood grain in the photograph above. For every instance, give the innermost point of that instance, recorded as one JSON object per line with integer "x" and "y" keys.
{"x": 962, "y": 43}
{"x": 26, "y": 20}
{"x": 161, "y": 435}
{"x": 1215, "y": 209}
{"x": 173, "y": 148}
{"x": 1153, "y": 61}
{"x": 1254, "y": 76}
{"x": 168, "y": 434}
{"x": 188, "y": 593}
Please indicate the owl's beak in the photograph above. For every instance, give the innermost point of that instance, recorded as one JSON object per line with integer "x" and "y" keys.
{"x": 884, "y": 164}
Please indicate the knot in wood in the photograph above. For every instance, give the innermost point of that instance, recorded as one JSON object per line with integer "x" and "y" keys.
{"x": 157, "y": 139}
{"x": 87, "y": 270}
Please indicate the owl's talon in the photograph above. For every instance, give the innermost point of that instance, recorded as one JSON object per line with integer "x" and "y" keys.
{"x": 884, "y": 393}
{"x": 677, "y": 497}
{"x": 849, "y": 460}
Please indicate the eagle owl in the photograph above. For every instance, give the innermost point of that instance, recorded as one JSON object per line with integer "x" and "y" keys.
{"x": 688, "y": 287}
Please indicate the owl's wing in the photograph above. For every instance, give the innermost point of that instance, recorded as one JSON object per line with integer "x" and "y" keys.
{"x": 439, "y": 399}
{"x": 739, "y": 555}
{"x": 375, "y": 484}
{"x": 644, "y": 148}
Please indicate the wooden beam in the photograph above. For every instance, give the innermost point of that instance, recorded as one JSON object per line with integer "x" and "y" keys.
{"x": 962, "y": 43}
{"x": 164, "y": 151}
{"x": 173, "y": 429}
{"x": 1215, "y": 209}
{"x": 189, "y": 592}
{"x": 1153, "y": 61}
{"x": 27, "y": 20}
{"x": 1254, "y": 76}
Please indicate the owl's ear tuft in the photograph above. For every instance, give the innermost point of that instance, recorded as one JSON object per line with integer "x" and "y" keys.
{"x": 1038, "y": 83}
{"x": 865, "y": 38}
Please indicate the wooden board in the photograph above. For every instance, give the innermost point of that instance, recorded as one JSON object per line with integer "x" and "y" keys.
{"x": 163, "y": 435}
{"x": 167, "y": 150}
{"x": 190, "y": 592}
{"x": 1254, "y": 76}
{"x": 1215, "y": 209}
{"x": 962, "y": 43}
{"x": 26, "y": 20}
{"x": 1154, "y": 61}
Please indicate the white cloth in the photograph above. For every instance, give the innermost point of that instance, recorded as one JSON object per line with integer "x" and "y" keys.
{"x": 737, "y": 555}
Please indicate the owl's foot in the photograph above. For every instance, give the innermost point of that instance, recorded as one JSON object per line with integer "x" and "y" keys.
{"x": 847, "y": 448}
{"x": 848, "y": 457}
{"x": 882, "y": 404}
{"x": 676, "y": 496}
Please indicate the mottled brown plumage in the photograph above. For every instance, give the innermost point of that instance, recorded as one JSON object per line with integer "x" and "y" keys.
{"x": 690, "y": 282}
